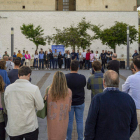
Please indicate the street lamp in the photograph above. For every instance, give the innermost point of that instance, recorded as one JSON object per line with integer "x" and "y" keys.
{"x": 127, "y": 48}
{"x": 12, "y": 41}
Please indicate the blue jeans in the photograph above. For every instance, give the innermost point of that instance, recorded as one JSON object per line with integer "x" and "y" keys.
{"x": 87, "y": 63}
{"x": 36, "y": 63}
{"x": 51, "y": 61}
{"x": 79, "y": 112}
{"x": 41, "y": 61}
{"x": 55, "y": 62}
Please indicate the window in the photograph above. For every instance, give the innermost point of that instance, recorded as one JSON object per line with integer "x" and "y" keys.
{"x": 23, "y": 7}
{"x": 65, "y": 5}
{"x": 106, "y": 6}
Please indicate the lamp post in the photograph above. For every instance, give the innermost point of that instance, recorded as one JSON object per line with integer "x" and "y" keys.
{"x": 12, "y": 41}
{"x": 127, "y": 48}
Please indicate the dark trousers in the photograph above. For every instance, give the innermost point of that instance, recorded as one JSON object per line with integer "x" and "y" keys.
{"x": 22, "y": 62}
{"x": 36, "y": 63}
{"x": 65, "y": 63}
{"x": 29, "y": 136}
{"x": 81, "y": 64}
{"x": 60, "y": 66}
{"x": 51, "y": 61}
{"x": 87, "y": 63}
{"x": 103, "y": 63}
{"x": 41, "y": 61}
{"x": 55, "y": 62}
{"x": 68, "y": 63}
{"x": 2, "y": 131}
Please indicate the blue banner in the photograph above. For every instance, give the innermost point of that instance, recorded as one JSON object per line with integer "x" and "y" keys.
{"x": 59, "y": 48}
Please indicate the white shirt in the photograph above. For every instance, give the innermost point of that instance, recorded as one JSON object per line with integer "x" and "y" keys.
{"x": 21, "y": 100}
{"x": 68, "y": 56}
{"x": 84, "y": 54}
{"x": 97, "y": 56}
{"x": 36, "y": 56}
{"x": 132, "y": 87}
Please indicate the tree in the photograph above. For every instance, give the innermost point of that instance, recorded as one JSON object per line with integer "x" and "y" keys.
{"x": 115, "y": 35}
{"x": 34, "y": 34}
{"x": 72, "y": 36}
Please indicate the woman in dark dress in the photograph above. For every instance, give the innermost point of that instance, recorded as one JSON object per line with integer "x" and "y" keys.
{"x": 46, "y": 59}
{"x": 60, "y": 60}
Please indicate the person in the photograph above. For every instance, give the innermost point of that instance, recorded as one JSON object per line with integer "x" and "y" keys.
{"x": 41, "y": 50}
{"x": 73, "y": 55}
{"x": 97, "y": 56}
{"x": 13, "y": 74}
{"x": 41, "y": 59}
{"x": 51, "y": 59}
{"x": 135, "y": 54}
{"x": 0, "y": 57}
{"x": 114, "y": 64}
{"x": 132, "y": 68}
{"x": 78, "y": 55}
{"x": 81, "y": 60}
{"x": 36, "y": 57}
{"x": 103, "y": 57}
{"x": 27, "y": 59}
{"x": 132, "y": 86}
{"x": 2, "y": 110}
{"x": 14, "y": 56}
{"x": 84, "y": 57}
{"x": 3, "y": 73}
{"x": 87, "y": 62}
{"x": 46, "y": 59}
{"x": 5, "y": 54}
{"x": 60, "y": 60}
{"x": 9, "y": 64}
{"x": 55, "y": 56}
{"x": 92, "y": 57}
{"x": 19, "y": 54}
{"x": 68, "y": 60}
{"x": 95, "y": 82}
{"x": 23, "y": 58}
{"x": 112, "y": 114}
{"x": 21, "y": 108}
{"x": 59, "y": 103}
{"x": 76, "y": 82}
{"x": 108, "y": 57}
{"x": 65, "y": 58}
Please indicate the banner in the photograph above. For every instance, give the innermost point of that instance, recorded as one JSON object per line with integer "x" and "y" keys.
{"x": 59, "y": 48}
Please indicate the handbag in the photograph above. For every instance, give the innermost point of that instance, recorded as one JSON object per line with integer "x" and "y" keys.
{"x": 43, "y": 113}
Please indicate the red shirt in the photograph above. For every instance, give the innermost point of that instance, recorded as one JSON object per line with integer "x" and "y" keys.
{"x": 87, "y": 56}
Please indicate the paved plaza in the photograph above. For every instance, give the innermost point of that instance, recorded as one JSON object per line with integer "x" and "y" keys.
{"x": 44, "y": 78}
{"x": 38, "y": 78}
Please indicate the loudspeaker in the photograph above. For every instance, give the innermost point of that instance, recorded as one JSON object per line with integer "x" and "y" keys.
{"x": 122, "y": 64}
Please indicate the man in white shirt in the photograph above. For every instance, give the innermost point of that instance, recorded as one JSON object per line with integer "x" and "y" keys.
{"x": 21, "y": 100}
{"x": 84, "y": 57}
{"x": 132, "y": 86}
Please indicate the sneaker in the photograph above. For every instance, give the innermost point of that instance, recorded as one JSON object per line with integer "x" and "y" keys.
{"x": 46, "y": 68}
{"x": 35, "y": 68}
{"x": 49, "y": 69}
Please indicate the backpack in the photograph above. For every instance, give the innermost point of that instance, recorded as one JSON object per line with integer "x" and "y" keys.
{"x": 8, "y": 66}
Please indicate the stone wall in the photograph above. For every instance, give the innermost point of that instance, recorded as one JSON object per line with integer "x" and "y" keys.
{"x": 81, "y": 5}
{"x": 49, "y": 20}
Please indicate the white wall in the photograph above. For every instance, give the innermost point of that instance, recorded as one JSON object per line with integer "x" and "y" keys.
{"x": 48, "y": 20}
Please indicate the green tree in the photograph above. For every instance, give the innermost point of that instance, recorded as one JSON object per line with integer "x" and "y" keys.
{"x": 73, "y": 36}
{"x": 34, "y": 34}
{"x": 115, "y": 35}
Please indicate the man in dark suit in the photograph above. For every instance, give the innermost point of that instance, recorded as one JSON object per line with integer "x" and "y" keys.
{"x": 112, "y": 114}
{"x": 114, "y": 64}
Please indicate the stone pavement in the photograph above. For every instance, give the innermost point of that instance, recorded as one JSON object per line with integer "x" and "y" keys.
{"x": 44, "y": 78}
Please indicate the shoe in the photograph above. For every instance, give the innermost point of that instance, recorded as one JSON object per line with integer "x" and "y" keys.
{"x": 35, "y": 68}
{"x": 49, "y": 69}
{"x": 46, "y": 68}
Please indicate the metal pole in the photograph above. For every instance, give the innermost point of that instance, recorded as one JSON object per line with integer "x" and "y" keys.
{"x": 127, "y": 48}
{"x": 12, "y": 41}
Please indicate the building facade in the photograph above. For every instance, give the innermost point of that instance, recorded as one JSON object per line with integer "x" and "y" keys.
{"x": 62, "y": 13}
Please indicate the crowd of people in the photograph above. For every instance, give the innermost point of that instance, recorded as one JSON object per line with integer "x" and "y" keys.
{"x": 50, "y": 60}
{"x": 113, "y": 114}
